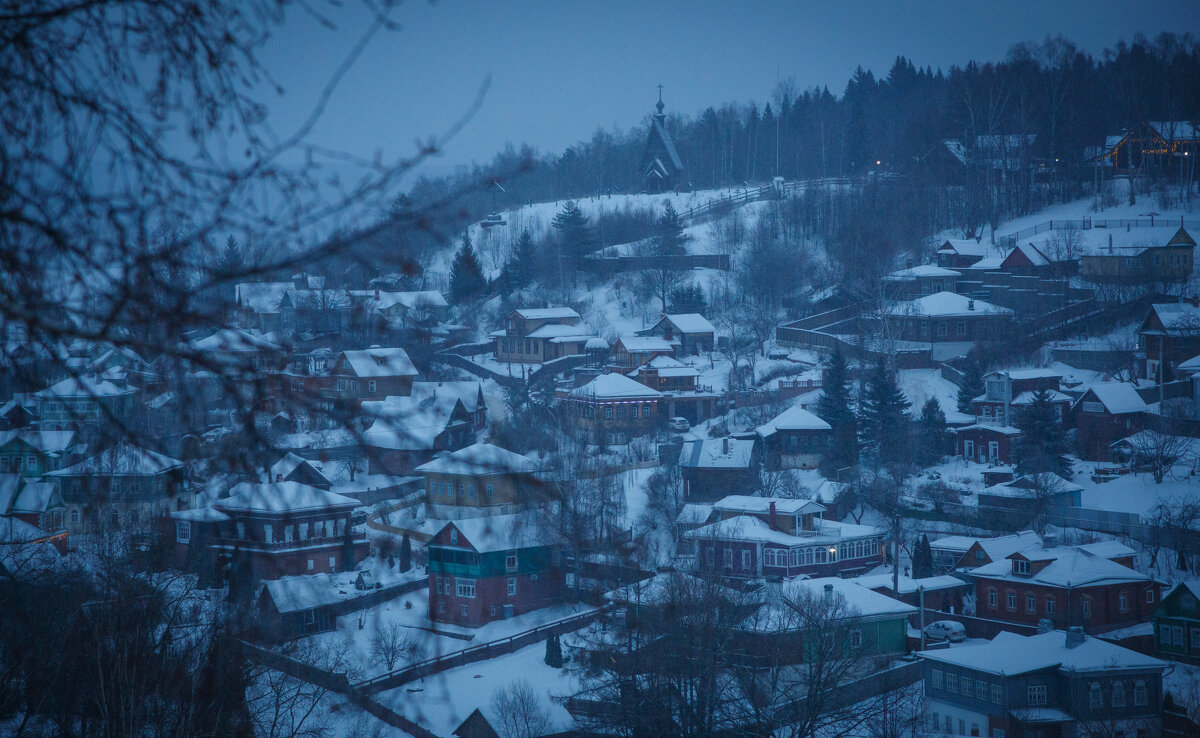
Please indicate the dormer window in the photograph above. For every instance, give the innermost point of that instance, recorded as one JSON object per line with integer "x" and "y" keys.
{"x": 1021, "y": 566}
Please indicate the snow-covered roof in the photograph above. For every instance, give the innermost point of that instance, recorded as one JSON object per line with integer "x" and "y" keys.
{"x": 1006, "y": 430}
{"x": 667, "y": 366}
{"x": 233, "y": 340}
{"x": 200, "y": 515}
{"x": 1069, "y": 566}
{"x": 694, "y": 513}
{"x": 743, "y": 528}
{"x": 409, "y": 423}
{"x": 965, "y": 247}
{"x": 1191, "y": 366}
{"x": 1027, "y": 397}
{"x": 34, "y": 497}
{"x": 550, "y": 313}
{"x": 292, "y": 594}
{"x": 479, "y": 459}
{"x": 645, "y": 343}
{"x": 1009, "y": 654}
{"x": 47, "y": 442}
{"x": 1178, "y": 317}
{"x": 613, "y": 386}
{"x": 380, "y": 362}
{"x": 794, "y": 418}
{"x": 559, "y": 333}
{"x": 85, "y": 385}
{"x": 262, "y": 297}
{"x": 908, "y": 585}
{"x": 281, "y": 497}
{"x": 500, "y": 532}
{"x": 1029, "y": 486}
{"x": 286, "y": 465}
{"x": 762, "y": 505}
{"x": 1118, "y": 398}
{"x": 996, "y": 548}
{"x": 865, "y": 602}
{"x": 671, "y": 586}
{"x": 717, "y": 453}
{"x": 407, "y": 300}
{"x": 468, "y": 391}
{"x": 949, "y": 304}
{"x": 595, "y": 343}
{"x": 122, "y": 459}
{"x": 1033, "y": 253}
{"x": 1025, "y": 373}
{"x": 689, "y": 322}
{"x": 923, "y": 270}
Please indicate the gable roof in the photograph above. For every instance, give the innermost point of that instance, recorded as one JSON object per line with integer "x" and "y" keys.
{"x": 550, "y": 313}
{"x": 949, "y": 304}
{"x": 1118, "y": 398}
{"x": 479, "y": 459}
{"x": 922, "y": 270}
{"x": 469, "y": 392}
{"x": 499, "y": 532}
{"x": 611, "y": 386}
{"x": 762, "y": 505}
{"x": 122, "y": 459}
{"x": 645, "y": 343}
{"x": 410, "y": 423}
{"x": 1009, "y": 654}
{"x": 233, "y": 340}
{"x": 279, "y": 497}
{"x": 290, "y": 461}
{"x": 710, "y": 453}
{"x": 1177, "y": 318}
{"x": 794, "y": 418}
{"x": 688, "y": 322}
{"x": 46, "y": 442}
{"x": 1181, "y": 238}
{"x": 1027, "y": 486}
{"x": 1070, "y": 566}
{"x": 85, "y": 385}
{"x": 380, "y": 362}
{"x": 261, "y": 297}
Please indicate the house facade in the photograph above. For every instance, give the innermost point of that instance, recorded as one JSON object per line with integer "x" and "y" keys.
{"x": 711, "y": 468}
{"x": 688, "y": 333}
{"x": 479, "y": 480}
{"x": 1177, "y": 624}
{"x": 613, "y": 404}
{"x": 121, "y": 488}
{"x": 370, "y": 374}
{"x": 538, "y": 335}
{"x": 1169, "y": 335}
{"x": 794, "y": 439}
{"x": 1168, "y": 262}
{"x": 1103, "y": 415}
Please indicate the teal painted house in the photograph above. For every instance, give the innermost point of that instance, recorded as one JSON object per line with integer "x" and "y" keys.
{"x": 1177, "y": 624}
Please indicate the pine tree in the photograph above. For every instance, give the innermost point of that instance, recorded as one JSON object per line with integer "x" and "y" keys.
{"x": 934, "y": 434}
{"x": 466, "y": 276}
{"x": 688, "y": 299}
{"x": 1042, "y": 445}
{"x": 574, "y": 233}
{"x": 405, "y": 553}
{"x": 922, "y": 558}
{"x": 524, "y": 260}
{"x": 554, "y": 654}
{"x": 232, "y": 260}
{"x": 669, "y": 237}
{"x": 835, "y": 408}
{"x": 884, "y": 416}
{"x": 972, "y": 383}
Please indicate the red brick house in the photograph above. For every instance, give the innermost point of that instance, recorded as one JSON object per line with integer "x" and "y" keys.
{"x": 1067, "y": 585}
{"x": 491, "y": 568}
{"x": 267, "y": 531}
{"x": 1103, "y": 415}
{"x": 759, "y": 537}
{"x": 986, "y": 444}
{"x": 371, "y": 374}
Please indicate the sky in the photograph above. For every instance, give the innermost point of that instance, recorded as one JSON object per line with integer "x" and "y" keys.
{"x": 558, "y": 70}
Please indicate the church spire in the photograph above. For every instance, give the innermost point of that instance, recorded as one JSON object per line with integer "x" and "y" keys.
{"x": 660, "y": 105}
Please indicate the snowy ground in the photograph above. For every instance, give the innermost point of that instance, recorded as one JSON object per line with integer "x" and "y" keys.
{"x": 919, "y": 385}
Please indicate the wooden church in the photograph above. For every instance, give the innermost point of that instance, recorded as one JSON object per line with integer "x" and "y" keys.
{"x": 662, "y": 169}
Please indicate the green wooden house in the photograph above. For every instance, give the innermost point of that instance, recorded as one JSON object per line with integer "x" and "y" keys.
{"x": 1176, "y": 623}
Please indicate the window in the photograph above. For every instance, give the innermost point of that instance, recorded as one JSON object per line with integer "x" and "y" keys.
{"x": 310, "y": 617}
{"x": 437, "y": 581}
{"x": 464, "y": 611}
{"x": 1196, "y": 639}
{"x": 287, "y": 533}
{"x": 1036, "y": 695}
{"x": 1012, "y": 600}
{"x": 74, "y": 516}
{"x": 1139, "y": 693}
{"x": 1118, "y": 696}
{"x": 465, "y": 588}
{"x": 471, "y": 490}
{"x": 856, "y": 638}
{"x": 510, "y": 562}
{"x": 941, "y": 328}
{"x": 969, "y": 449}
{"x": 310, "y": 564}
{"x": 997, "y": 694}
{"x": 1030, "y": 603}
{"x": 608, "y": 413}
{"x": 1164, "y": 635}
{"x": 1050, "y": 605}
{"x": 992, "y": 597}
{"x": 492, "y": 611}
{"x": 490, "y": 491}
{"x": 241, "y": 531}
{"x": 512, "y": 586}
{"x": 269, "y": 534}
{"x": 1086, "y": 606}
{"x": 951, "y": 682}
{"x": 1095, "y": 696}
{"x": 453, "y": 537}
{"x": 1020, "y": 566}
{"x": 620, "y": 411}
{"x": 961, "y": 328}
{"x": 745, "y": 560}
{"x": 1150, "y": 596}
{"x": 1123, "y": 601}
{"x": 981, "y": 690}
{"x": 936, "y": 679}
{"x": 728, "y": 558}
{"x": 1177, "y": 634}
{"x": 441, "y": 607}
{"x": 332, "y": 563}
{"x": 183, "y": 531}
{"x": 371, "y": 386}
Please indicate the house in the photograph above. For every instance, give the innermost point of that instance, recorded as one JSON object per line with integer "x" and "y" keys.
{"x": 1051, "y": 684}
{"x": 35, "y": 503}
{"x": 688, "y": 333}
{"x": 614, "y": 404}
{"x": 480, "y": 480}
{"x": 947, "y": 318}
{"x": 403, "y": 310}
{"x": 1067, "y": 585}
{"x": 986, "y": 443}
{"x": 631, "y": 352}
{"x": 758, "y": 537}
{"x": 661, "y": 168}
{"x": 1032, "y": 493}
{"x": 491, "y": 568}
{"x": 1169, "y": 335}
{"x": 35, "y": 452}
{"x": 917, "y": 281}
{"x": 538, "y": 335}
{"x": 794, "y": 439}
{"x": 296, "y": 606}
{"x": 962, "y": 253}
{"x": 1007, "y": 391}
{"x": 295, "y": 468}
{"x": 468, "y": 392}
{"x": 371, "y": 374}
{"x": 233, "y": 347}
{"x": 315, "y": 310}
{"x": 123, "y": 486}
{"x": 969, "y": 552}
{"x": 1177, "y": 624}
{"x": 405, "y": 432}
{"x": 1152, "y": 147}
{"x": 1104, "y": 414}
{"x": 86, "y": 402}
{"x": 1142, "y": 263}
{"x": 19, "y": 412}
{"x": 712, "y": 468}
{"x": 258, "y": 304}
{"x": 682, "y": 396}
{"x": 268, "y": 531}
{"x": 944, "y": 593}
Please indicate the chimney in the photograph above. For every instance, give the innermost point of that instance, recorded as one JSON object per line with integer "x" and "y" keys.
{"x": 970, "y": 304}
{"x": 1050, "y": 540}
{"x": 771, "y": 520}
{"x": 828, "y": 594}
{"x": 725, "y": 449}
{"x": 1075, "y": 636}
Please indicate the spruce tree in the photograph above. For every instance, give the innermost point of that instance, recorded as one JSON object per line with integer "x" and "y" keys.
{"x": 922, "y": 558}
{"x": 574, "y": 233}
{"x": 669, "y": 236}
{"x": 972, "y": 383}
{"x": 835, "y": 408}
{"x": 232, "y": 260}
{"x": 554, "y": 655}
{"x": 405, "y": 553}
{"x": 934, "y": 434}
{"x": 466, "y": 277}
{"x": 1042, "y": 445}
{"x": 884, "y": 416}
{"x": 524, "y": 260}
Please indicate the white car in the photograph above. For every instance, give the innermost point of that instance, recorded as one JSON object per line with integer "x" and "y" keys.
{"x": 679, "y": 424}
{"x": 946, "y": 630}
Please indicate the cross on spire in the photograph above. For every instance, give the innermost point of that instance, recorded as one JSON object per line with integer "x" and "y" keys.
{"x": 660, "y": 93}
{"x": 659, "y": 105}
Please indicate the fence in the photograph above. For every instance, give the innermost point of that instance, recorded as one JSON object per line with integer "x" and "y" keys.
{"x": 471, "y": 655}
{"x": 608, "y": 265}
{"x": 1010, "y": 239}
{"x": 334, "y": 681}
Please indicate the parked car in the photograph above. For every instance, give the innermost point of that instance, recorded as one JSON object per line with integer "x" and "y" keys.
{"x": 679, "y": 424}
{"x": 946, "y": 630}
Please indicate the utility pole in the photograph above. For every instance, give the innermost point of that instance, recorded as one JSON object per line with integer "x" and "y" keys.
{"x": 921, "y": 599}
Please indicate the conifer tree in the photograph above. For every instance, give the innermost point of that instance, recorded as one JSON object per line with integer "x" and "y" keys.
{"x": 574, "y": 233}
{"x": 835, "y": 408}
{"x": 1042, "y": 445}
{"x": 405, "y": 553}
{"x": 972, "y": 383}
{"x": 554, "y": 654}
{"x": 922, "y": 558}
{"x": 232, "y": 260}
{"x": 884, "y": 416}
{"x": 466, "y": 277}
{"x": 669, "y": 237}
{"x": 524, "y": 260}
{"x": 934, "y": 434}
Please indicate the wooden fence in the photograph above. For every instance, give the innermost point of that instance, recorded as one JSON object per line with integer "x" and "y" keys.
{"x": 1010, "y": 239}
{"x": 471, "y": 655}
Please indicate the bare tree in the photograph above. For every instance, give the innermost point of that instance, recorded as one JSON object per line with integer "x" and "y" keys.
{"x": 1159, "y": 451}
{"x": 393, "y": 643}
{"x": 519, "y": 711}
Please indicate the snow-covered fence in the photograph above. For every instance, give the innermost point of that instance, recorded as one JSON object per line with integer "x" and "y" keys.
{"x": 1010, "y": 239}
{"x": 334, "y": 681}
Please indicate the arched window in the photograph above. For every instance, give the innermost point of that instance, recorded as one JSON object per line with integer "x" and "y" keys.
{"x": 1095, "y": 696}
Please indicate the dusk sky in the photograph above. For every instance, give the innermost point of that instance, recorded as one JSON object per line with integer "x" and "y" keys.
{"x": 559, "y": 70}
